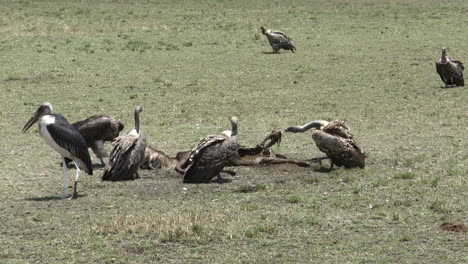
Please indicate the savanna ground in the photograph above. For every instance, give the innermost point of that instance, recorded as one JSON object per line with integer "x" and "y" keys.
{"x": 193, "y": 64}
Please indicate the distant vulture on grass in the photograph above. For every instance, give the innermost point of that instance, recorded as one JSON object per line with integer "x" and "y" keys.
{"x": 208, "y": 158}
{"x": 64, "y": 138}
{"x": 333, "y": 138}
{"x": 278, "y": 40}
{"x": 98, "y": 129}
{"x": 127, "y": 153}
{"x": 450, "y": 71}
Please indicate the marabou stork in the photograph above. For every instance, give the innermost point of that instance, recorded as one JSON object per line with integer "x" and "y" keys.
{"x": 63, "y": 138}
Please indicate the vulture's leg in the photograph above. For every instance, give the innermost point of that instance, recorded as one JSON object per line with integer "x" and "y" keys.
{"x": 319, "y": 160}
{"x": 98, "y": 149}
{"x": 219, "y": 179}
{"x": 230, "y": 172}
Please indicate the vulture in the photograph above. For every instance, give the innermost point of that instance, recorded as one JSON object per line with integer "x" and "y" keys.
{"x": 450, "y": 71}
{"x": 98, "y": 129}
{"x": 208, "y": 158}
{"x": 334, "y": 139}
{"x": 278, "y": 40}
{"x": 65, "y": 139}
{"x": 157, "y": 160}
{"x": 126, "y": 154}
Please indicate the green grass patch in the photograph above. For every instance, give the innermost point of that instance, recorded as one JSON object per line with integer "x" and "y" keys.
{"x": 293, "y": 199}
{"x": 405, "y": 175}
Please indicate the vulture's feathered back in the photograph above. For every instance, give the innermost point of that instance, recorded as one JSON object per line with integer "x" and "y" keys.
{"x": 157, "y": 160}
{"x": 127, "y": 153}
{"x": 278, "y": 40}
{"x": 98, "y": 129}
{"x": 335, "y": 140}
{"x": 208, "y": 158}
{"x": 450, "y": 71}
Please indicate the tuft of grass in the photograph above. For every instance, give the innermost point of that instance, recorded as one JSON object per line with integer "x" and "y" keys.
{"x": 439, "y": 207}
{"x": 406, "y": 238}
{"x": 251, "y": 188}
{"x": 137, "y": 45}
{"x": 260, "y": 230}
{"x": 312, "y": 180}
{"x": 381, "y": 183}
{"x": 293, "y": 199}
{"x": 249, "y": 207}
{"x": 405, "y": 175}
{"x": 169, "y": 227}
{"x": 435, "y": 182}
{"x": 406, "y": 203}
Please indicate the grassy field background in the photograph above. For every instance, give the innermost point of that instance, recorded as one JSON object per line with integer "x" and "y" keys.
{"x": 193, "y": 64}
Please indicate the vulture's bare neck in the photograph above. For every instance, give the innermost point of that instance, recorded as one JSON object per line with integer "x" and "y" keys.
{"x": 234, "y": 125}
{"x": 318, "y": 124}
{"x": 444, "y": 58}
{"x": 137, "y": 121}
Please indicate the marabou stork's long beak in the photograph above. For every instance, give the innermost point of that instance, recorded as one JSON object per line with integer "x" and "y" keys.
{"x": 31, "y": 121}
{"x": 44, "y": 109}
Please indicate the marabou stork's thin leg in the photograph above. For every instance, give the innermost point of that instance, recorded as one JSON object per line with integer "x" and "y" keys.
{"x": 64, "y": 165}
{"x": 75, "y": 186}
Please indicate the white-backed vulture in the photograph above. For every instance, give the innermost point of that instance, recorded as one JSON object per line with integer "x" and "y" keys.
{"x": 157, "y": 160}
{"x": 98, "y": 129}
{"x": 127, "y": 153}
{"x": 334, "y": 139}
{"x": 278, "y": 40}
{"x": 208, "y": 158}
{"x": 450, "y": 71}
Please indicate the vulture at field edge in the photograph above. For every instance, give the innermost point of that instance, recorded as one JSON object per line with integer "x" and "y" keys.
{"x": 278, "y": 40}
{"x": 450, "y": 71}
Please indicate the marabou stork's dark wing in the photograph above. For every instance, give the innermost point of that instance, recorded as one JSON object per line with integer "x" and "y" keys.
{"x": 69, "y": 138}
